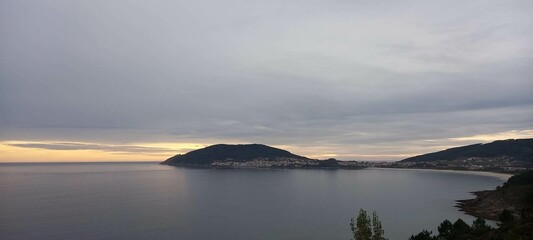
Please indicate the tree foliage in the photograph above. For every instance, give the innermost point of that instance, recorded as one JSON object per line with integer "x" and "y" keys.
{"x": 460, "y": 230}
{"x": 506, "y": 217}
{"x": 364, "y": 228}
{"x": 515, "y": 223}
{"x": 377, "y": 230}
{"x": 424, "y": 235}
{"x": 479, "y": 230}
{"x": 445, "y": 229}
{"x": 510, "y": 228}
{"x": 479, "y": 226}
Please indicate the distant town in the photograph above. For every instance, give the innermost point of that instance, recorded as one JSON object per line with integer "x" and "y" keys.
{"x": 266, "y": 163}
{"x": 287, "y": 163}
{"x": 509, "y": 156}
{"x": 492, "y": 164}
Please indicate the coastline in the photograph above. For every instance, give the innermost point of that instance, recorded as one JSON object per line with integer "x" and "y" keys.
{"x": 487, "y": 204}
{"x": 484, "y": 205}
{"x": 502, "y": 176}
{"x": 265, "y": 167}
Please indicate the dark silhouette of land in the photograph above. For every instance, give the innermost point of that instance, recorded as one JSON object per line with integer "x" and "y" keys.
{"x": 515, "y": 195}
{"x": 513, "y": 155}
{"x": 513, "y": 149}
{"x": 251, "y": 156}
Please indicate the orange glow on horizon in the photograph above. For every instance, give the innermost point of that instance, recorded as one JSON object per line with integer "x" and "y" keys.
{"x": 513, "y": 134}
{"x": 33, "y": 151}
{"x": 12, "y": 151}
{"x": 67, "y": 151}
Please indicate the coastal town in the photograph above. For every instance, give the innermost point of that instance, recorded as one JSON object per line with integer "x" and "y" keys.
{"x": 266, "y": 163}
{"x": 492, "y": 164}
{"x": 287, "y": 163}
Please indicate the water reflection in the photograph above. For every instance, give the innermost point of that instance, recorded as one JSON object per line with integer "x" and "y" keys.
{"x": 150, "y": 201}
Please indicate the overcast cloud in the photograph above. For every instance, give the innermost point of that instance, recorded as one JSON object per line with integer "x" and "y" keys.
{"x": 351, "y": 78}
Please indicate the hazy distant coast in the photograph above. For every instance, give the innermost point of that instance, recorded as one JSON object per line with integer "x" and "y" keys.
{"x": 503, "y": 156}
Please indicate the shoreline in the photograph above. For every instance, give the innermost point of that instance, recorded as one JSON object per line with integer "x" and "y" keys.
{"x": 486, "y": 204}
{"x": 502, "y": 176}
{"x": 265, "y": 167}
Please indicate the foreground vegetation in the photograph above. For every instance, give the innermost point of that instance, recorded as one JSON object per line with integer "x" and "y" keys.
{"x": 509, "y": 228}
{"x": 366, "y": 229}
{"x": 515, "y": 220}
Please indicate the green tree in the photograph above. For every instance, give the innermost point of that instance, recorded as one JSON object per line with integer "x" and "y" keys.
{"x": 479, "y": 226}
{"x": 460, "y": 229}
{"x": 445, "y": 230}
{"x": 377, "y": 229}
{"x": 424, "y": 235}
{"x": 506, "y": 217}
{"x": 362, "y": 229}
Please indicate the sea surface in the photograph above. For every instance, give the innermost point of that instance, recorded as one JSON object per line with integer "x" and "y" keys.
{"x": 151, "y": 201}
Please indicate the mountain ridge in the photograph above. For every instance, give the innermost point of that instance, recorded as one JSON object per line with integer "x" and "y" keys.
{"x": 515, "y": 149}
{"x": 231, "y": 152}
{"x": 253, "y": 156}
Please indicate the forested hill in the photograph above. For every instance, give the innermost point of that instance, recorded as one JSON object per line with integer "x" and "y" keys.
{"x": 515, "y": 149}
{"x": 223, "y": 152}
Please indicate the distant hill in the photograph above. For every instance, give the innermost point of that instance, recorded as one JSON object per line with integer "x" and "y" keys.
{"x": 515, "y": 149}
{"x": 226, "y": 152}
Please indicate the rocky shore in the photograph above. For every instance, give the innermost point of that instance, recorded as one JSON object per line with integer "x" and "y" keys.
{"x": 515, "y": 195}
{"x": 487, "y": 204}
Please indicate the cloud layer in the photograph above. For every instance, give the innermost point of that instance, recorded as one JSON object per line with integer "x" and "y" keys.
{"x": 86, "y": 146}
{"x": 358, "y": 79}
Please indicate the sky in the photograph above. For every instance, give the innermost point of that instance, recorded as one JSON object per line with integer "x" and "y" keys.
{"x": 374, "y": 80}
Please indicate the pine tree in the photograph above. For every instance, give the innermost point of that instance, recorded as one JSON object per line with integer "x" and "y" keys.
{"x": 480, "y": 226}
{"x": 424, "y": 235}
{"x": 364, "y": 228}
{"x": 445, "y": 230}
{"x": 377, "y": 229}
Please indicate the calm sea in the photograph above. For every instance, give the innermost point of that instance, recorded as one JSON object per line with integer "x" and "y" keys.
{"x": 150, "y": 201}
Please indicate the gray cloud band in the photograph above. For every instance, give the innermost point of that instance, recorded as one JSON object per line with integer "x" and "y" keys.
{"x": 313, "y": 73}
